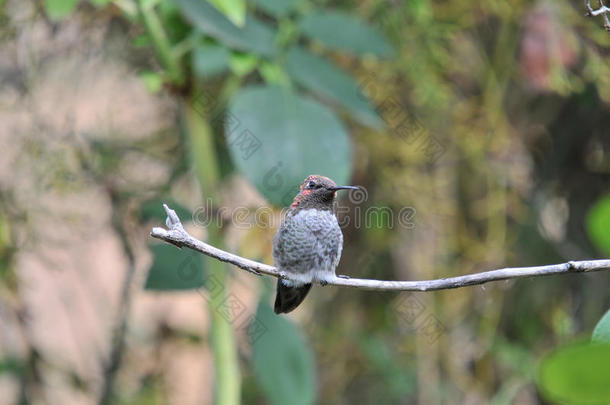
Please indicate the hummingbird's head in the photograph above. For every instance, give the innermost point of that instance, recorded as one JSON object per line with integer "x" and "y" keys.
{"x": 318, "y": 192}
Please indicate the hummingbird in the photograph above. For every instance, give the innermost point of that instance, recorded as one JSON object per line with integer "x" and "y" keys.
{"x": 308, "y": 244}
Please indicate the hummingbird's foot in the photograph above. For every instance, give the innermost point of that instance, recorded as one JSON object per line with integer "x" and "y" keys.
{"x": 323, "y": 283}
{"x": 343, "y": 276}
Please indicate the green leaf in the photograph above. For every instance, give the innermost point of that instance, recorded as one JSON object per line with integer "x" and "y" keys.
{"x": 153, "y": 81}
{"x": 174, "y": 269}
{"x": 58, "y": 9}
{"x": 577, "y": 374}
{"x": 11, "y": 365}
{"x": 277, "y": 8}
{"x": 100, "y": 3}
{"x": 179, "y": 32}
{"x": 601, "y": 333}
{"x": 273, "y": 73}
{"x": 398, "y": 380}
{"x": 243, "y": 63}
{"x": 283, "y": 363}
{"x": 141, "y": 41}
{"x": 598, "y": 224}
{"x": 320, "y": 76}
{"x": 234, "y": 10}
{"x": 345, "y": 32}
{"x": 277, "y": 138}
{"x": 210, "y": 60}
{"x": 254, "y": 36}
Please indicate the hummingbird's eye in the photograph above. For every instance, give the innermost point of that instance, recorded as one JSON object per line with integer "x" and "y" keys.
{"x": 311, "y": 184}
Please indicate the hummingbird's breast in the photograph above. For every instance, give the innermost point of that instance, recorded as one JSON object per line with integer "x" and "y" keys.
{"x": 308, "y": 245}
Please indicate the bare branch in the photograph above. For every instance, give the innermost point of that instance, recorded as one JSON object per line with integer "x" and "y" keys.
{"x": 117, "y": 349}
{"x": 178, "y": 236}
{"x": 602, "y": 10}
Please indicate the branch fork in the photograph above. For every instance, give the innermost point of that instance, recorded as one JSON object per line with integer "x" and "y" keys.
{"x": 602, "y": 10}
{"x": 178, "y": 236}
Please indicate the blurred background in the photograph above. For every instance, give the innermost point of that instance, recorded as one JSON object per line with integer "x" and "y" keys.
{"x": 478, "y": 130}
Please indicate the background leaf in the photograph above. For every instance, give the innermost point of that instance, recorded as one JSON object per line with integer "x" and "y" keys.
{"x": 283, "y": 363}
{"x": 273, "y": 73}
{"x": 100, "y": 3}
{"x": 345, "y": 32}
{"x": 277, "y": 138}
{"x": 210, "y": 60}
{"x": 243, "y": 63}
{"x": 577, "y": 374}
{"x": 601, "y": 333}
{"x": 58, "y": 9}
{"x": 234, "y": 10}
{"x": 277, "y": 8}
{"x": 174, "y": 269}
{"x": 598, "y": 224}
{"x": 254, "y": 36}
{"x": 152, "y": 80}
{"x": 320, "y": 76}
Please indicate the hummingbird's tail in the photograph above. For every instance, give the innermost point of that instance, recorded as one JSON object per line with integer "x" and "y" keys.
{"x": 288, "y": 298}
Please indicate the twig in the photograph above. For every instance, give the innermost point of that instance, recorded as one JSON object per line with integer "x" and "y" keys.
{"x": 115, "y": 358}
{"x": 179, "y": 237}
{"x": 602, "y": 10}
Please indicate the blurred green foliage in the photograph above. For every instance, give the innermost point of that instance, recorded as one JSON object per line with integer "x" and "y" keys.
{"x": 292, "y": 124}
{"x": 490, "y": 119}
{"x": 282, "y": 362}
{"x": 601, "y": 333}
{"x": 174, "y": 269}
{"x": 235, "y": 10}
{"x": 598, "y": 224}
{"x": 57, "y": 9}
{"x": 344, "y": 32}
{"x": 577, "y": 374}
{"x": 275, "y": 134}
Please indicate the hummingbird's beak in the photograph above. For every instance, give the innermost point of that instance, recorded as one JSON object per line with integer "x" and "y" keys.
{"x": 344, "y": 188}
